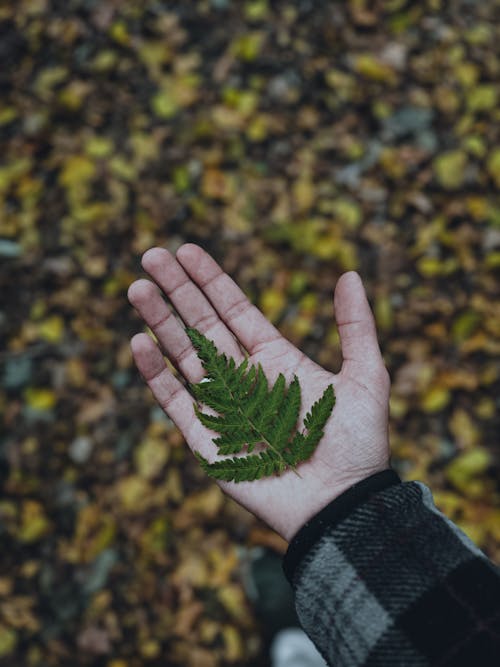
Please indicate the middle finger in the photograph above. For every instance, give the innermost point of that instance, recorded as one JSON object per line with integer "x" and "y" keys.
{"x": 189, "y": 301}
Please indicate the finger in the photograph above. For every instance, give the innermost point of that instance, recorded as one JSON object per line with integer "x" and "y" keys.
{"x": 243, "y": 318}
{"x": 147, "y": 300}
{"x": 188, "y": 300}
{"x": 167, "y": 390}
{"x": 355, "y": 322}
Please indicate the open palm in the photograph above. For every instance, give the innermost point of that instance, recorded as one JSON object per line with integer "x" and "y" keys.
{"x": 355, "y": 444}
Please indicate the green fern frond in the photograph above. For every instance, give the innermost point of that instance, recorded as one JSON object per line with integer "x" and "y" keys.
{"x": 249, "y": 413}
{"x": 304, "y": 444}
{"x": 244, "y": 468}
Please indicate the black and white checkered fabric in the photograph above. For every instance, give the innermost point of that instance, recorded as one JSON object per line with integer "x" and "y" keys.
{"x": 382, "y": 578}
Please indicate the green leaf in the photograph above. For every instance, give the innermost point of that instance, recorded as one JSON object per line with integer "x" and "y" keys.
{"x": 243, "y": 468}
{"x": 303, "y": 445}
{"x": 249, "y": 413}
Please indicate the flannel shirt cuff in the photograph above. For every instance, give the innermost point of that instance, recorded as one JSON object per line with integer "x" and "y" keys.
{"x": 331, "y": 515}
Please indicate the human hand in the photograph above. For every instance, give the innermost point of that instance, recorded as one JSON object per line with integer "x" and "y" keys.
{"x": 355, "y": 443}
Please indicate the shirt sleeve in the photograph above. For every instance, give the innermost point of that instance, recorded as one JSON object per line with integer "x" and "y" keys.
{"x": 382, "y": 578}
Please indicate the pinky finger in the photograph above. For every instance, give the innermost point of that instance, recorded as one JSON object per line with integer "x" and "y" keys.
{"x": 168, "y": 391}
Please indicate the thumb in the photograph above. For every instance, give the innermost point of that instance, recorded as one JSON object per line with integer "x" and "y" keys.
{"x": 355, "y": 322}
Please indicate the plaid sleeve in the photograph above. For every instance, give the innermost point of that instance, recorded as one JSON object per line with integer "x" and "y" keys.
{"x": 382, "y": 578}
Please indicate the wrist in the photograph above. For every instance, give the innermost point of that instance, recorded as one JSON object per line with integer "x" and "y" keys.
{"x": 344, "y": 498}
{"x": 323, "y": 496}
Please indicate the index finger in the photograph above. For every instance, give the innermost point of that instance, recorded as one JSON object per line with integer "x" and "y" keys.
{"x": 245, "y": 320}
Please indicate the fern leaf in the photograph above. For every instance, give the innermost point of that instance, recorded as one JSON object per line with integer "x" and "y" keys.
{"x": 321, "y": 410}
{"x": 243, "y": 468}
{"x": 219, "y": 424}
{"x": 251, "y": 413}
{"x": 304, "y": 444}
{"x": 288, "y": 416}
{"x": 234, "y": 443}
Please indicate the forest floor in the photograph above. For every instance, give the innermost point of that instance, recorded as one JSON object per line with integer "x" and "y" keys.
{"x": 294, "y": 141}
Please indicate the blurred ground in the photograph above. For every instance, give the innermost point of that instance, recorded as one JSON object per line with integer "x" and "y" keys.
{"x": 294, "y": 141}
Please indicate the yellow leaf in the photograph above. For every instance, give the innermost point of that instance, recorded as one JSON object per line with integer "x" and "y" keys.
{"x": 90, "y": 212}
{"x": 73, "y": 95}
{"x": 302, "y": 325}
{"x": 154, "y": 538}
{"x": 76, "y": 169}
{"x": 233, "y": 644}
{"x": 347, "y": 254}
{"x": 122, "y": 168}
{"x": 181, "y": 178}
{"x": 175, "y": 93}
{"x": 435, "y": 399}
{"x": 134, "y": 493}
{"x": 145, "y": 147}
{"x": 348, "y": 212}
{"x": 51, "y": 329}
{"x": 467, "y": 73}
{"x": 150, "y": 457}
{"x": 99, "y": 147}
{"x": 185, "y": 88}
{"x": 303, "y": 193}
{"x": 256, "y": 10}
{"x": 383, "y": 312}
{"x": 248, "y": 46}
{"x": 479, "y": 33}
{"x": 463, "y": 429}
{"x": 272, "y": 303}
{"x": 34, "y": 523}
{"x": 258, "y": 128}
{"x": 475, "y": 145}
{"x": 298, "y": 282}
{"x": 450, "y": 169}
{"x": 164, "y": 104}
{"x": 40, "y": 399}
{"x": 208, "y": 630}
{"x": 392, "y": 164}
{"x": 223, "y": 561}
{"x": 374, "y": 69}
{"x": 433, "y": 266}
{"x": 95, "y": 530}
{"x": 465, "y": 467}
{"x": 309, "y": 303}
{"x": 485, "y": 408}
{"x": 482, "y": 98}
{"x": 18, "y": 612}
{"x": 234, "y": 600}
{"x": 12, "y": 171}
{"x": 343, "y": 84}
{"x": 493, "y": 260}
{"x": 48, "y": 79}
{"x": 207, "y": 503}
{"x": 464, "y": 325}
{"x": 191, "y": 570}
{"x": 477, "y": 206}
{"x": 7, "y": 114}
{"x": 227, "y": 119}
{"x": 398, "y": 406}
{"x": 154, "y": 54}
{"x": 475, "y": 531}
{"x": 150, "y": 648}
{"x": 8, "y": 640}
{"x": 449, "y": 503}
{"x": 217, "y": 184}
{"x": 119, "y": 32}
{"x": 105, "y": 60}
